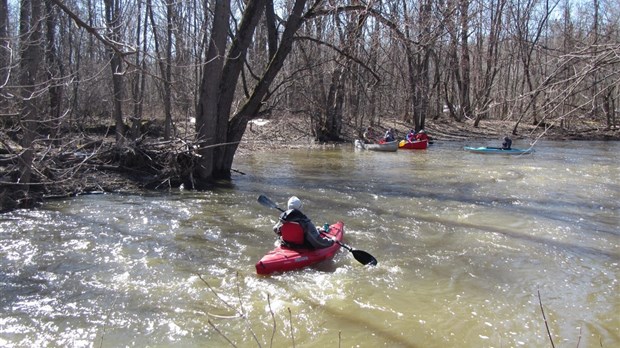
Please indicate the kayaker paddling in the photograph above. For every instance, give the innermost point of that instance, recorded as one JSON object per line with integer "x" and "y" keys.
{"x": 507, "y": 144}
{"x": 283, "y": 258}
{"x": 389, "y": 135}
{"x": 296, "y": 230}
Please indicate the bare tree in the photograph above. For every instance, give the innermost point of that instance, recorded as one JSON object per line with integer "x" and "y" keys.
{"x": 5, "y": 51}
{"x": 55, "y": 69}
{"x": 139, "y": 78}
{"x": 30, "y": 29}
{"x": 329, "y": 124}
{"x": 453, "y": 80}
{"x": 214, "y": 126}
{"x": 165, "y": 63}
{"x": 609, "y": 107}
{"x": 528, "y": 32}
{"x": 419, "y": 50}
{"x": 113, "y": 23}
{"x": 488, "y": 56}
{"x": 464, "y": 61}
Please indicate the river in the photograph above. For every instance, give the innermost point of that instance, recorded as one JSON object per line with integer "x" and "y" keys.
{"x": 471, "y": 248}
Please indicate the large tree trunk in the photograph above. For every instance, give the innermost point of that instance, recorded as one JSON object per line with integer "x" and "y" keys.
{"x": 464, "y": 61}
{"x": 137, "y": 84}
{"x": 231, "y": 73}
{"x": 167, "y": 73}
{"x": 239, "y": 121}
{"x": 5, "y": 51}
{"x": 218, "y": 134}
{"x": 165, "y": 65}
{"x": 418, "y": 64}
{"x": 206, "y": 110}
{"x": 112, "y": 13}
{"x": 328, "y": 129}
{"x": 30, "y": 34}
{"x": 54, "y": 71}
{"x": 609, "y": 108}
{"x": 453, "y": 83}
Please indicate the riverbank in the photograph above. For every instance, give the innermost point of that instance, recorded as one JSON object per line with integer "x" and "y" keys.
{"x": 93, "y": 163}
{"x": 286, "y": 133}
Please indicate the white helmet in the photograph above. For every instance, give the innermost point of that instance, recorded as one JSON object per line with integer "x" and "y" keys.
{"x": 294, "y": 203}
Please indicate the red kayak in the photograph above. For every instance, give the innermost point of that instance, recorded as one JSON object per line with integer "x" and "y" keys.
{"x": 282, "y": 259}
{"x": 415, "y": 145}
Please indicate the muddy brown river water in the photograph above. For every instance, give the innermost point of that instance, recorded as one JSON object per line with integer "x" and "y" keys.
{"x": 465, "y": 243}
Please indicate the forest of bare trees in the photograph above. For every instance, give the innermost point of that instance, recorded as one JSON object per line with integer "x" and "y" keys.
{"x": 191, "y": 74}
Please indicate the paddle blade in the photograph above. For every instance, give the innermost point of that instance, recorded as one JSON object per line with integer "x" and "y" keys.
{"x": 264, "y": 200}
{"x": 364, "y": 258}
{"x": 360, "y": 255}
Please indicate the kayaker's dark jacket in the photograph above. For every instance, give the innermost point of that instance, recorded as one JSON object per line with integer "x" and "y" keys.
{"x": 507, "y": 143}
{"x": 312, "y": 237}
{"x": 389, "y": 136}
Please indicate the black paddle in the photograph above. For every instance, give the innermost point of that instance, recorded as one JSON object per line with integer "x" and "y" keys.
{"x": 360, "y": 255}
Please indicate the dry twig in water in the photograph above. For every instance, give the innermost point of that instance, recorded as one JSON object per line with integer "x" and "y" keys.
{"x": 545, "y": 318}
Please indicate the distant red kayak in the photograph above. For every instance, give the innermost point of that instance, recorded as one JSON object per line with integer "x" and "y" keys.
{"x": 415, "y": 145}
{"x": 282, "y": 259}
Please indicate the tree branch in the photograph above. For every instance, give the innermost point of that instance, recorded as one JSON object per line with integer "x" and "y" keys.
{"x": 340, "y": 52}
{"x": 105, "y": 40}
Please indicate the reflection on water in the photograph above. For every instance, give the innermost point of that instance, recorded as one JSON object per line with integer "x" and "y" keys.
{"x": 464, "y": 241}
